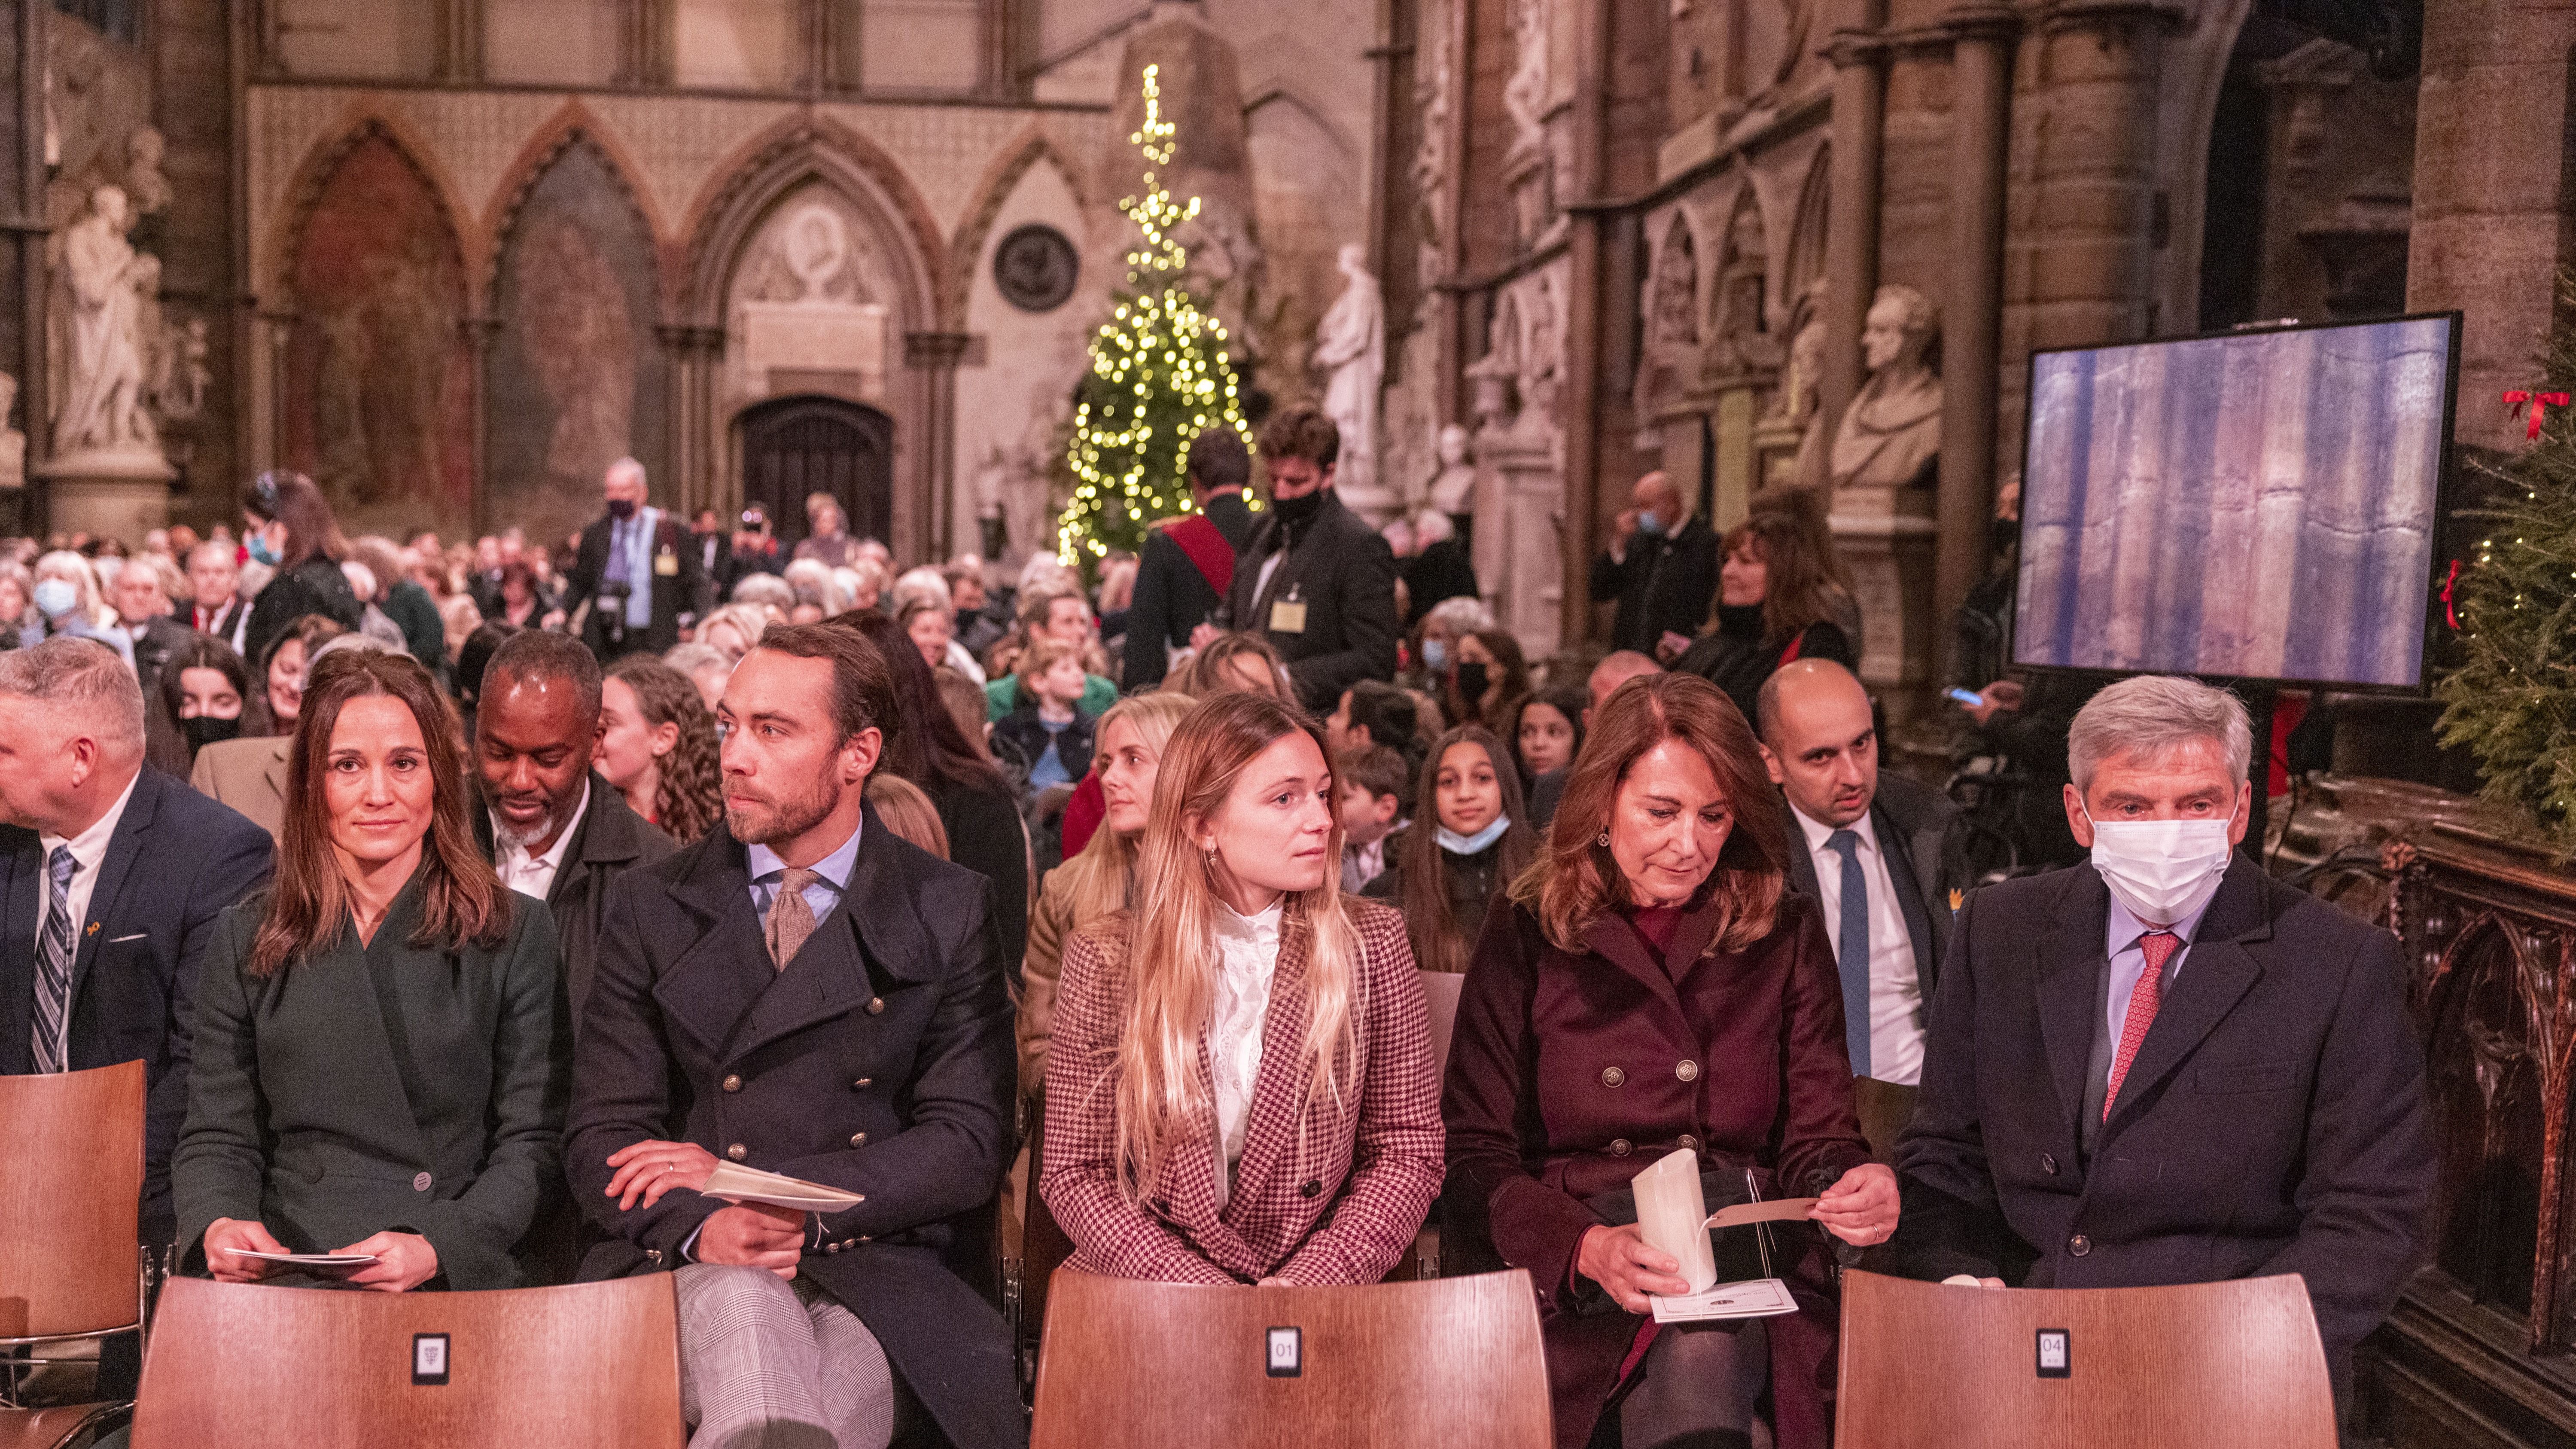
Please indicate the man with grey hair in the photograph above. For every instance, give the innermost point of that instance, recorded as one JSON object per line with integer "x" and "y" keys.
{"x": 635, "y": 581}
{"x": 2164, "y": 1066}
{"x": 111, "y": 876}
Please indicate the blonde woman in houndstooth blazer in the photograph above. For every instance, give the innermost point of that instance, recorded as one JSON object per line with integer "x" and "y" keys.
{"x": 1241, "y": 1086}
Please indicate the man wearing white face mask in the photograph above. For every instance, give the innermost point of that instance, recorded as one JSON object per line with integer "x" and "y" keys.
{"x": 2163, "y": 1066}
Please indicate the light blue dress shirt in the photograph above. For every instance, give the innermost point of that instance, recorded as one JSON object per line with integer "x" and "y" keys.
{"x": 768, "y": 872}
{"x": 2129, "y": 961}
{"x": 635, "y": 536}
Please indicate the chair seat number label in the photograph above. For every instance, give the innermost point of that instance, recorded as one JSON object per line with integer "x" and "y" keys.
{"x": 429, "y": 1358}
{"x": 2055, "y": 1356}
{"x": 1287, "y": 1354}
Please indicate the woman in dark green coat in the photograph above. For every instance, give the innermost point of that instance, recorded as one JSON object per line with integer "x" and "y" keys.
{"x": 382, "y": 1052}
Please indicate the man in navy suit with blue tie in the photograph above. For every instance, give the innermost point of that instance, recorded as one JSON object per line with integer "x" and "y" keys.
{"x": 111, "y": 876}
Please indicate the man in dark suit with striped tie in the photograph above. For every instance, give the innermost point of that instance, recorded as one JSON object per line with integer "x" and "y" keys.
{"x": 1875, "y": 851}
{"x": 111, "y": 876}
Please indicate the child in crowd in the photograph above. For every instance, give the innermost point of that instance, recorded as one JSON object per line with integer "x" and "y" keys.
{"x": 1444, "y": 877}
{"x": 1048, "y": 732}
{"x": 1373, "y": 780}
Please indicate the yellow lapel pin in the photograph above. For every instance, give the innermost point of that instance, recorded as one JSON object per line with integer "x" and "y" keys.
{"x": 93, "y": 928}
{"x": 1958, "y": 898}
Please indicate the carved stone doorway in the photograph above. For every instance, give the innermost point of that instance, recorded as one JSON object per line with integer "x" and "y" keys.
{"x": 793, "y": 447}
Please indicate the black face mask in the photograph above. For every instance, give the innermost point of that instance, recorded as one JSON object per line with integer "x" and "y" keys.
{"x": 1299, "y": 511}
{"x": 621, "y": 509}
{"x": 966, "y": 619}
{"x": 1472, "y": 680}
{"x": 206, "y": 730}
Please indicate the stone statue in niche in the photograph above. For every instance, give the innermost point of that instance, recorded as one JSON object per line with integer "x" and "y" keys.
{"x": 1350, "y": 345}
{"x": 1670, "y": 305}
{"x": 13, "y": 443}
{"x": 1453, "y": 488}
{"x": 1491, "y": 376}
{"x": 145, "y": 187}
{"x": 1890, "y": 436}
{"x": 1431, "y": 157}
{"x": 1525, "y": 93}
{"x": 182, "y": 370}
{"x": 105, "y": 287}
{"x": 1542, "y": 351}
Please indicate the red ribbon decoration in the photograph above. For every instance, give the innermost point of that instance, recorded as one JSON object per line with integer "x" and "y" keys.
{"x": 2450, "y": 610}
{"x": 2540, "y": 402}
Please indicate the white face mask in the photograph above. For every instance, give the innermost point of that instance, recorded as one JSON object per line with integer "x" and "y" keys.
{"x": 2162, "y": 870}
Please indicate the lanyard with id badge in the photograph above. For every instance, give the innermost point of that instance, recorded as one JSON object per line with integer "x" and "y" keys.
{"x": 1288, "y": 615}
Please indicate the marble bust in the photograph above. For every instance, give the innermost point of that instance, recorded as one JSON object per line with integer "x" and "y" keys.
{"x": 1890, "y": 436}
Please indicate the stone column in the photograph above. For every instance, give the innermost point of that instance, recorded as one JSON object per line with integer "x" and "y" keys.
{"x": 1859, "y": 56}
{"x": 2492, "y": 194}
{"x": 696, "y": 355}
{"x": 937, "y": 354}
{"x": 458, "y": 41}
{"x": 25, "y": 163}
{"x": 1980, "y": 137}
{"x": 1584, "y": 332}
{"x": 480, "y": 333}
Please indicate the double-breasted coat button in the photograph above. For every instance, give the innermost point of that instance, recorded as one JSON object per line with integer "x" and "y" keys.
{"x": 420, "y": 1183}
{"x": 1612, "y": 1076}
{"x": 2079, "y": 1245}
{"x": 1690, "y": 1142}
{"x": 732, "y": 1083}
{"x": 737, "y": 1152}
{"x": 876, "y": 1006}
{"x": 1688, "y": 1070}
{"x": 858, "y": 1139}
{"x": 2048, "y": 1163}
{"x": 1621, "y": 1147}
{"x": 1310, "y": 1187}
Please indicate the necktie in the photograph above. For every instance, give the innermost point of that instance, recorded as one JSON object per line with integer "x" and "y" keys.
{"x": 619, "y": 568}
{"x": 54, "y": 963}
{"x": 2158, "y": 947}
{"x": 791, "y": 916}
{"x": 1851, "y": 949}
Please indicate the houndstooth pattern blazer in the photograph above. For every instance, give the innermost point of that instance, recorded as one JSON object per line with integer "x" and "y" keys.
{"x": 1324, "y": 1193}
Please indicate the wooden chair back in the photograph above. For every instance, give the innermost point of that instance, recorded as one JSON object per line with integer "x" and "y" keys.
{"x": 2213, "y": 1365}
{"x": 238, "y": 1366}
{"x": 1183, "y": 1366}
{"x": 68, "y": 1205}
{"x": 1440, "y": 993}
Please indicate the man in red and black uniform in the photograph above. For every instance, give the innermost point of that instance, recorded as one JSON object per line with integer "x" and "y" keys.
{"x": 1187, "y": 563}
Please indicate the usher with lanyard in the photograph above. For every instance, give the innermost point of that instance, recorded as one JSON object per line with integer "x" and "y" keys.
{"x": 1288, "y": 615}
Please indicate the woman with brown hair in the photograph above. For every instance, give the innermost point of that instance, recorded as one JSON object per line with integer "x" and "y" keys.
{"x": 1446, "y": 869}
{"x": 1488, "y": 677}
{"x": 1655, "y": 989}
{"x": 1232, "y": 661}
{"x": 381, "y": 1063}
{"x": 658, "y": 746}
{"x": 1776, "y": 602}
{"x": 287, "y": 525}
{"x": 1174, "y": 1150}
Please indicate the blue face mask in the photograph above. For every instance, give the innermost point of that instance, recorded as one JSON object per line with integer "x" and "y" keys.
{"x": 1648, "y": 524}
{"x": 56, "y": 597}
{"x": 260, "y": 552}
{"x": 1456, "y": 844}
{"x": 1435, "y": 655}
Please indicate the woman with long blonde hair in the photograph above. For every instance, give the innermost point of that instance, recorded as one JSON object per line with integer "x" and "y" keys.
{"x": 1102, "y": 879}
{"x": 1174, "y": 1151}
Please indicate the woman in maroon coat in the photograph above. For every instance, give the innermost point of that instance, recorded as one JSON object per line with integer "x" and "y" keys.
{"x": 1652, "y": 987}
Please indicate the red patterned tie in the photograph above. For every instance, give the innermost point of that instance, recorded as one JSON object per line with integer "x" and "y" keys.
{"x": 2158, "y": 947}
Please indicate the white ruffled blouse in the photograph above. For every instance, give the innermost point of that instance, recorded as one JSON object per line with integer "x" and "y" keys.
{"x": 1247, "y": 960}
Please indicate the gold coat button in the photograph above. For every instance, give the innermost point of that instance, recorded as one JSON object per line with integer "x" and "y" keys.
{"x": 1621, "y": 1147}
{"x": 737, "y": 1152}
{"x": 1690, "y": 1142}
{"x": 1612, "y": 1076}
{"x": 876, "y": 1006}
{"x": 733, "y": 1083}
{"x": 858, "y": 1139}
{"x": 1688, "y": 1071}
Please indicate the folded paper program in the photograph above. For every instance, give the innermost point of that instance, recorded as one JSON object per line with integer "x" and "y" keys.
{"x": 738, "y": 1184}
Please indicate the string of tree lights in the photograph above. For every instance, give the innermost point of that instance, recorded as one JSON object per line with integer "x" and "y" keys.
{"x": 1159, "y": 375}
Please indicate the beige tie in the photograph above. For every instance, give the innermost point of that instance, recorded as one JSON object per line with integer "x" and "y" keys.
{"x": 791, "y": 917}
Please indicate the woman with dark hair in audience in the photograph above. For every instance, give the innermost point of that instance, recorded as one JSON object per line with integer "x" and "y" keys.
{"x": 287, "y": 524}
{"x": 658, "y": 746}
{"x": 1476, "y": 844}
{"x": 925, "y": 745}
{"x": 1547, "y": 730}
{"x": 522, "y": 602}
{"x": 206, "y": 688}
{"x": 1102, "y": 879}
{"x": 1240, "y": 1086}
{"x": 1656, "y": 987}
{"x": 381, "y": 1062}
{"x": 1776, "y": 602}
{"x": 1489, "y": 677}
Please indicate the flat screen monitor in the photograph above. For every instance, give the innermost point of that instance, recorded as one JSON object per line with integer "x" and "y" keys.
{"x": 2257, "y": 505}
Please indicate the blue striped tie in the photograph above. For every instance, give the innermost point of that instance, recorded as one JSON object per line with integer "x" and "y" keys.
{"x": 1851, "y": 949}
{"x": 54, "y": 964}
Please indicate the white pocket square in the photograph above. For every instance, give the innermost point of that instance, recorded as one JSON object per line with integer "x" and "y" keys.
{"x": 119, "y": 940}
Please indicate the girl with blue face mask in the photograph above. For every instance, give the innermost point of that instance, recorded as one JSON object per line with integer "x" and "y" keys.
{"x": 1467, "y": 840}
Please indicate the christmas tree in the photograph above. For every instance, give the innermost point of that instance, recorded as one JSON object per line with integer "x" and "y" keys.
{"x": 1159, "y": 375}
{"x": 2512, "y": 701}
